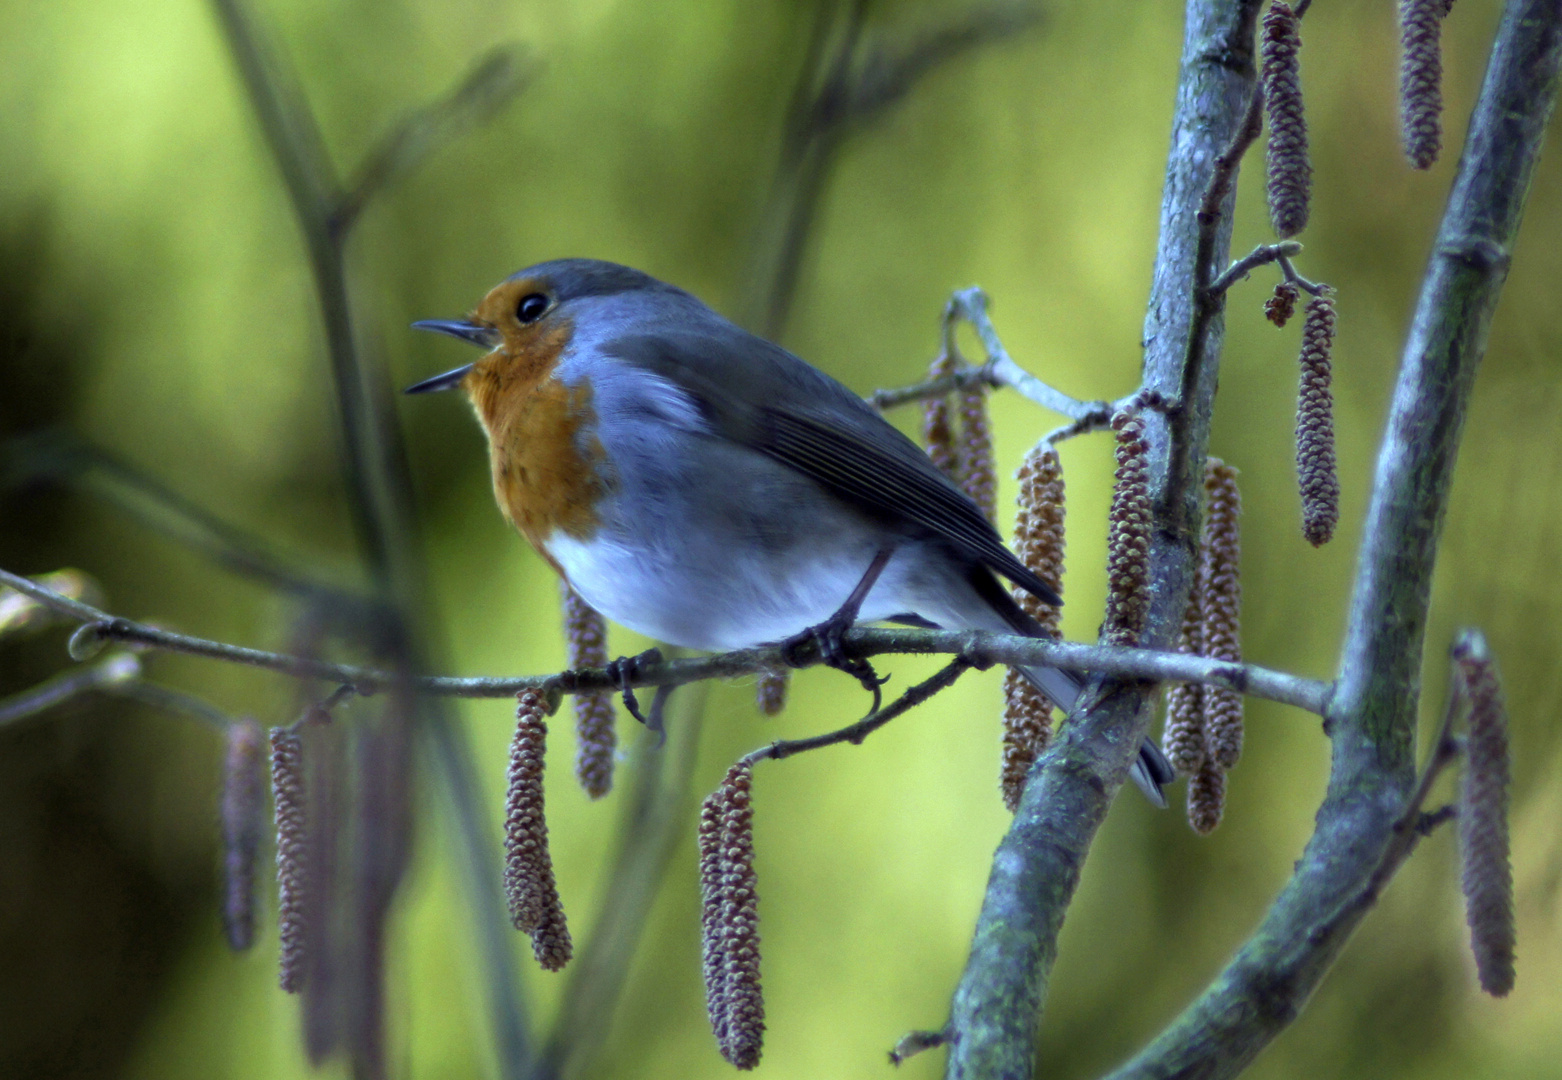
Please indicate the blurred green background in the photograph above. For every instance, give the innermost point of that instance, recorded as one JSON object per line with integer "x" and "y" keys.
{"x": 155, "y": 298}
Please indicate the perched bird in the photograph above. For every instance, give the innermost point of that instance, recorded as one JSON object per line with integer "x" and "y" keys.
{"x": 707, "y": 488}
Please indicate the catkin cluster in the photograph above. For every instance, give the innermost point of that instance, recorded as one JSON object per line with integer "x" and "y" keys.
{"x": 1486, "y": 873}
{"x": 1203, "y": 733}
{"x": 289, "y": 808}
{"x": 729, "y": 918}
{"x": 1038, "y": 541}
{"x": 1128, "y": 534}
{"x": 596, "y": 739}
{"x": 1316, "y": 471}
{"x": 529, "y": 886}
{"x": 964, "y": 455}
{"x": 1289, "y": 170}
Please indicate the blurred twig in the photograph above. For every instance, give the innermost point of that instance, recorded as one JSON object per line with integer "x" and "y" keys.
{"x": 106, "y": 673}
{"x": 855, "y": 733}
{"x": 492, "y": 83}
{"x": 849, "y": 77}
{"x": 61, "y": 457}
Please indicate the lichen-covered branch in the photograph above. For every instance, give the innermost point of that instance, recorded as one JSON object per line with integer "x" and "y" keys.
{"x": 1372, "y": 714}
{"x": 996, "y": 1011}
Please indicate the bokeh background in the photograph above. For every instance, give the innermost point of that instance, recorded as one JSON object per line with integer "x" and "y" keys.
{"x": 155, "y": 299}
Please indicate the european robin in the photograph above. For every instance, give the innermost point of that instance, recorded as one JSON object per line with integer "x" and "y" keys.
{"x": 705, "y": 487}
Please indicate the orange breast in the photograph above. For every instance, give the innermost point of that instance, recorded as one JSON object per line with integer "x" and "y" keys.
{"x": 547, "y": 467}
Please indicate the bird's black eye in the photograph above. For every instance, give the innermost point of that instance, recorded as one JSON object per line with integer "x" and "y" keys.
{"x": 531, "y": 307}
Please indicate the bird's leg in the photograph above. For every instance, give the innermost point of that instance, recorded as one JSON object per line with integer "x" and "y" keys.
{"x": 623, "y": 671}
{"x": 828, "y": 634}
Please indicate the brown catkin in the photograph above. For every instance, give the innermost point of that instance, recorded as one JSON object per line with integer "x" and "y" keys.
{"x": 1206, "y": 798}
{"x": 1128, "y": 535}
{"x": 1183, "y": 737}
{"x": 974, "y": 452}
{"x": 289, "y": 808}
{"x": 596, "y": 738}
{"x": 529, "y": 886}
{"x": 1486, "y": 873}
{"x": 770, "y": 691}
{"x": 1221, "y": 608}
{"x": 730, "y": 918}
{"x": 1420, "y": 79}
{"x": 242, "y": 814}
{"x": 1279, "y": 308}
{"x": 1290, "y": 172}
{"x": 937, "y": 431}
{"x": 1316, "y": 473}
{"x": 1039, "y": 542}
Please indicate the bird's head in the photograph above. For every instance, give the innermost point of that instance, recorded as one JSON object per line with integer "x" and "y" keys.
{"x": 527, "y": 319}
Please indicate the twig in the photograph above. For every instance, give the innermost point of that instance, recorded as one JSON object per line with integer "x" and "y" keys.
{"x": 837, "y": 90}
{"x": 1262, "y": 255}
{"x": 493, "y": 82}
{"x": 1413, "y": 824}
{"x": 971, "y": 305}
{"x": 1139, "y": 664}
{"x": 171, "y": 700}
{"x": 61, "y": 457}
{"x": 855, "y": 733}
{"x": 932, "y": 388}
{"x": 106, "y": 674}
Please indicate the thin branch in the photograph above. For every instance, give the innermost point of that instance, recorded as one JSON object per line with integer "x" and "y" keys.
{"x": 856, "y": 733}
{"x": 838, "y": 89}
{"x": 962, "y": 379}
{"x": 171, "y": 700}
{"x": 1262, "y": 255}
{"x": 1413, "y": 825}
{"x": 971, "y": 305}
{"x": 103, "y": 675}
{"x": 1138, "y": 664}
{"x": 1316, "y": 288}
{"x": 62, "y": 458}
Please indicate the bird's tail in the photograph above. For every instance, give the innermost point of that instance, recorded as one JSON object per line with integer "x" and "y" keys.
{"x": 1150, "y": 771}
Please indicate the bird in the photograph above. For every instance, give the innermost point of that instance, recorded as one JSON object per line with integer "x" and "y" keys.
{"x": 705, "y": 487}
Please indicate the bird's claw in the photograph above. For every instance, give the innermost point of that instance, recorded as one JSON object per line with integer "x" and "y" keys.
{"x": 623, "y": 671}
{"x": 829, "y": 637}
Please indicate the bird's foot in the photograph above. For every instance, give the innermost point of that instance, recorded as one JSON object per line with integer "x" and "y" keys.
{"x": 829, "y": 638}
{"x": 623, "y": 671}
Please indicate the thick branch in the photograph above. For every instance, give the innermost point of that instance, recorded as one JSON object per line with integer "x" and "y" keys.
{"x": 1373, "y": 712}
{"x": 996, "y": 1010}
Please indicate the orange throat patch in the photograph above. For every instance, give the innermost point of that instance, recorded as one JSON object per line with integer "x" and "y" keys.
{"x": 547, "y": 466}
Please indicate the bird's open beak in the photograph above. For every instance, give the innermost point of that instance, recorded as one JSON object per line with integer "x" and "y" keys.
{"x": 476, "y": 333}
{"x": 448, "y": 381}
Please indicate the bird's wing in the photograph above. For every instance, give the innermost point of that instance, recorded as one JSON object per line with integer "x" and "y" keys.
{"x": 794, "y": 413}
